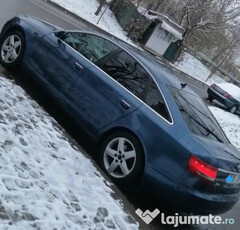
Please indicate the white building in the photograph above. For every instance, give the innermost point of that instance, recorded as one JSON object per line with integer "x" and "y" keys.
{"x": 161, "y": 34}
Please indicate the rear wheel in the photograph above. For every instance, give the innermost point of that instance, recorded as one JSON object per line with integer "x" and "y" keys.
{"x": 12, "y": 48}
{"x": 233, "y": 109}
{"x": 122, "y": 157}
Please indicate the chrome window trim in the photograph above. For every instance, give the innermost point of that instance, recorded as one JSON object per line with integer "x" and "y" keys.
{"x": 172, "y": 120}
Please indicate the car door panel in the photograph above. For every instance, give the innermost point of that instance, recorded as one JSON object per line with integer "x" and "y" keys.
{"x": 58, "y": 64}
{"x": 97, "y": 100}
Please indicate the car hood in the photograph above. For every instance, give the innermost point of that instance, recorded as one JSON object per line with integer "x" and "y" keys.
{"x": 39, "y": 24}
{"x": 224, "y": 156}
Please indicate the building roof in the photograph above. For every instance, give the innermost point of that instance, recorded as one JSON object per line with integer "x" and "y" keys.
{"x": 167, "y": 23}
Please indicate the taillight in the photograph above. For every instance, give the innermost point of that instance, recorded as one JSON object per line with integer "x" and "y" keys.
{"x": 227, "y": 95}
{"x": 212, "y": 86}
{"x": 198, "y": 167}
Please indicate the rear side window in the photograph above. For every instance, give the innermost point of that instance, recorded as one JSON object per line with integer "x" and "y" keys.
{"x": 130, "y": 74}
{"x": 221, "y": 91}
{"x": 154, "y": 99}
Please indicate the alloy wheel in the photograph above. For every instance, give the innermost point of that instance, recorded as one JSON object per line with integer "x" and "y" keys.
{"x": 233, "y": 109}
{"x": 11, "y": 49}
{"x": 119, "y": 157}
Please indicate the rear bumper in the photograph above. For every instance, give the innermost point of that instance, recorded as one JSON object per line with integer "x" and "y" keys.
{"x": 183, "y": 198}
{"x": 220, "y": 98}
{"x": 201, "y": 203}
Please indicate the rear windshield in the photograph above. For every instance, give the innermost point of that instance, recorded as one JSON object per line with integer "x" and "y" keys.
{"x": 221, "y": 91}
{"x": 197, "y": 116}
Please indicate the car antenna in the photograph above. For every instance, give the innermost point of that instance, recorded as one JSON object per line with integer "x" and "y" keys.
{"x": 183, "y": 85}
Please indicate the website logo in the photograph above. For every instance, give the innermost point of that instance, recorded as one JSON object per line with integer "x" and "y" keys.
{"x": 147, "y": 216}
{"x": 177, "y": 219}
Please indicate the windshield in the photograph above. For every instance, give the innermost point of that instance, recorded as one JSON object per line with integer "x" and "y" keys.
{"x": 197, "y": 116}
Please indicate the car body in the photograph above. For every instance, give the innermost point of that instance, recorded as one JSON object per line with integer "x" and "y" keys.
{"x": 150, "y": 128}
{"x": 227, "y": 94}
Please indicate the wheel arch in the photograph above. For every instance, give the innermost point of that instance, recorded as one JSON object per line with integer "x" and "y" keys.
{"x": 15, "y": 28}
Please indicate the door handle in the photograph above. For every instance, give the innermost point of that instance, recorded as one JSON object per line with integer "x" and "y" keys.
{"x": 77, "y": 66}
{"x": 125, "y": 105}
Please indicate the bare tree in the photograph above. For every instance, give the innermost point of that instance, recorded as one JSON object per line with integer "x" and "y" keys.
{"x": 208, "y": 24}
{"x": 102, "y": 3}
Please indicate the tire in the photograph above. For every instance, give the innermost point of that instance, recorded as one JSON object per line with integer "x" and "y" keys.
{"x": 210, "y": 98}
{"x": 122, "y": 157}
{"x": 233, "y": 109}
{"x": 12, "y": 47}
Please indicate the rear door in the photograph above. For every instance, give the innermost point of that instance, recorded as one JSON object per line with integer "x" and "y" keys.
{"x": 108, "y": 92}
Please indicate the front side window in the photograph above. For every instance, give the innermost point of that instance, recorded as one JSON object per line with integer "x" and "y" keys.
{"x": 90, "y": 46}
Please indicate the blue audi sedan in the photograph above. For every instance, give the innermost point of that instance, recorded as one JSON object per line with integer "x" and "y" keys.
{"x": 151, "y": 129}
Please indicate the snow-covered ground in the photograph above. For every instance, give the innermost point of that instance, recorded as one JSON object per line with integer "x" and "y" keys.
{"x": 193, "y": 67}
{"x": 86, "y": 9}
{"x": 230, "y": 124}
{"x": 46, "y": 182}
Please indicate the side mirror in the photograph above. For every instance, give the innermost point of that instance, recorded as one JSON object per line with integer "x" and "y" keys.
{"x": 60, "y": 34}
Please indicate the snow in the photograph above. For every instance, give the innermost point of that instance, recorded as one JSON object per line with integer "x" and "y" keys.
{"x": 171, "y": 30}
{"x": 193, "y": 67}
{"x": 86, "y": 9}
{"x": 231, "y": 89}
{"x": 45, "y": 181}
{"x": 230, "y": 123}
{"x": 166, "y": 21}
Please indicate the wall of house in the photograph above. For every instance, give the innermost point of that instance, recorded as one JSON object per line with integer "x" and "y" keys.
{"x": 159, "y": 41}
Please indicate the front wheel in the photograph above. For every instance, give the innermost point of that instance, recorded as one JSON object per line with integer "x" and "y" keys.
{"x": 122, "y": 157}
{"x": 210, "y": 98}
{"x": 12, "y": 47}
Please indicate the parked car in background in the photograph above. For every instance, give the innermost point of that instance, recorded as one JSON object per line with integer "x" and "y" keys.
{"x": 227, "y": 94}
{"x": 149, "y": 129}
